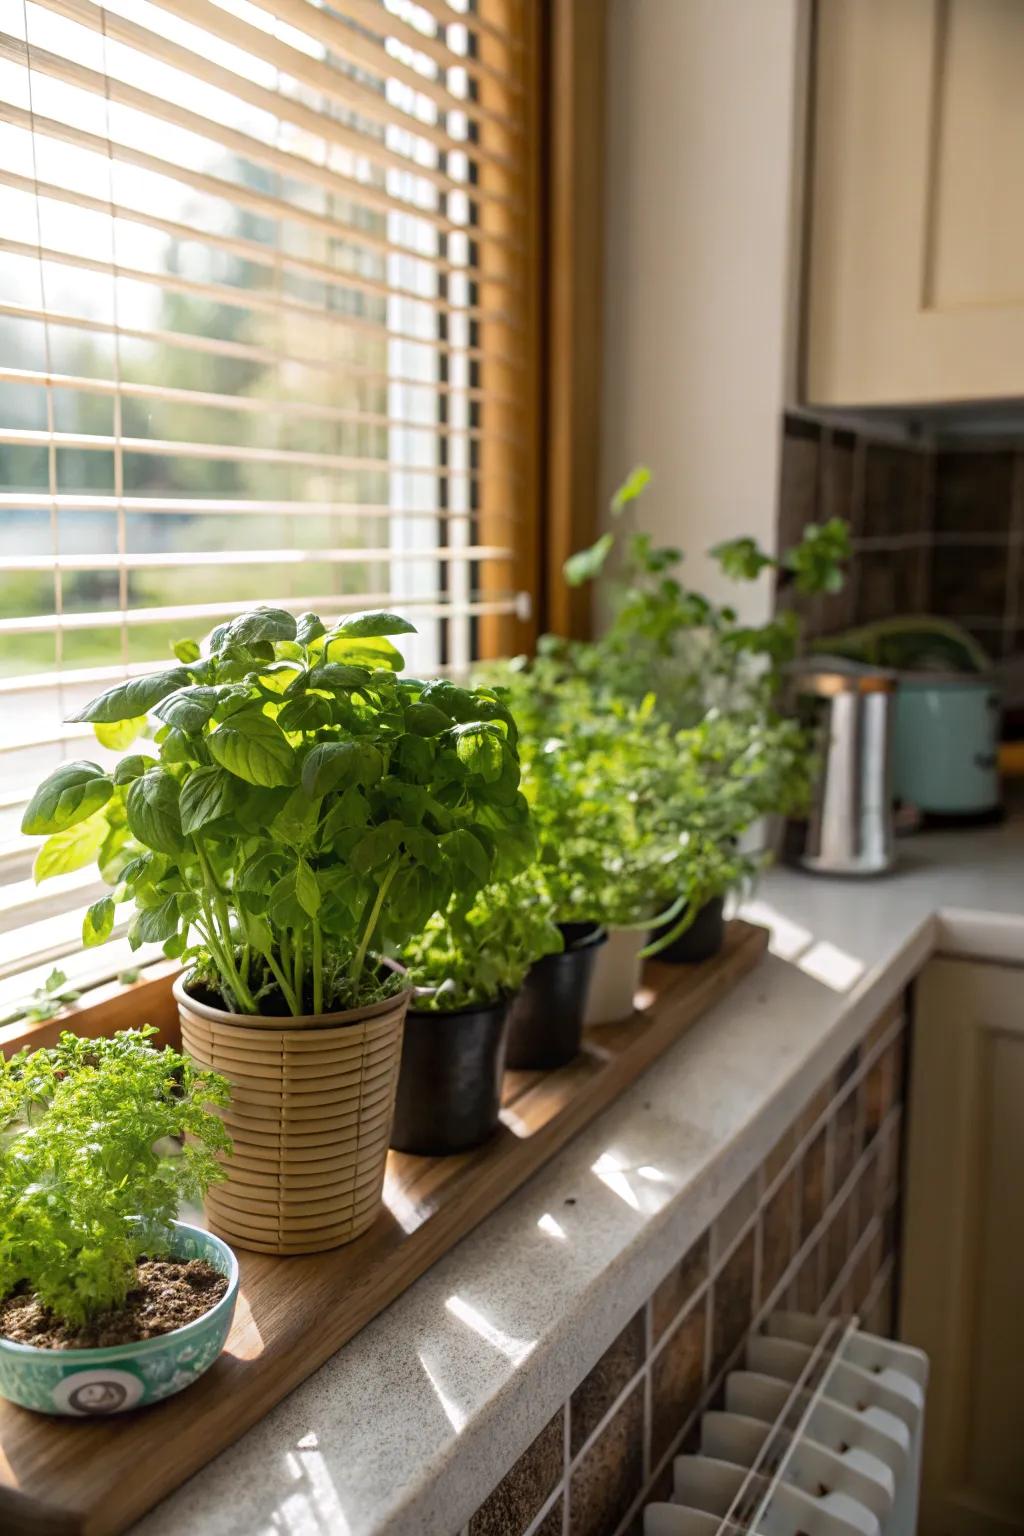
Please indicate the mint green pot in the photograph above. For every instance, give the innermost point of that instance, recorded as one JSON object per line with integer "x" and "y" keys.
{"x": 95, "y": 1383}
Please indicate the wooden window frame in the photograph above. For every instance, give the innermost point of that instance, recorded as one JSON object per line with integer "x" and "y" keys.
{"x": 567, "y": 40}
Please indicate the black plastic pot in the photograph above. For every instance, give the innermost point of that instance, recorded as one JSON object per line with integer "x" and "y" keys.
{"x": 546, "y": 1023}
{"x": 701, "y": 941}
{"x": 449, "y": 1083}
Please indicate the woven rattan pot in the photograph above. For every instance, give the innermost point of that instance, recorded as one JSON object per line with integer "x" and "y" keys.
{"x": 310, "y": 1117}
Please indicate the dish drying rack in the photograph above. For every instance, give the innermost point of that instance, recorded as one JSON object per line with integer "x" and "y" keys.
{"x": 820, "y": 1435}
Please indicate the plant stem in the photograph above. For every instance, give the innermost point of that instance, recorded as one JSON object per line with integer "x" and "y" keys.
{"x": 285, "y": 985}
{"x": 298, "y": 972}
{"x": 225, "y": 959}
{"x": 356, "y": 968}
{"x": 318, "y": 968}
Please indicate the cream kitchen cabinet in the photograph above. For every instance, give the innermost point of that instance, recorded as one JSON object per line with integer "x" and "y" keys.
{"x": 915, "y": 203}
{"x": 962, "y": 1296}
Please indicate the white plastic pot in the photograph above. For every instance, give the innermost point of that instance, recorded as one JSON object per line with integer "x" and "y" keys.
{"x": 616, "y": 977}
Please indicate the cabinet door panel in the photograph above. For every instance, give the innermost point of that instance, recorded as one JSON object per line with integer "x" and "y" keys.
{"x": 916, "y": 206}
{"x": 963, "y": 1292}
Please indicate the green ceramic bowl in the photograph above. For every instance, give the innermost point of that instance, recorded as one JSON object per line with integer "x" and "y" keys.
{"x": 94, "y": 1383}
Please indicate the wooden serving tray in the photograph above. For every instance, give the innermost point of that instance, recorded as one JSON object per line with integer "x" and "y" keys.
{"x": 96, "y": 1477}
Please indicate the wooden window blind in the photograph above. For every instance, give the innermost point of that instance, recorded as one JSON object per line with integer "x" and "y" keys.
{"x": 267, "y": 334}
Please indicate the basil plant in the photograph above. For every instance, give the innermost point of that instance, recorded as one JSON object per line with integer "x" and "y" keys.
{"x": 290, "y": 807}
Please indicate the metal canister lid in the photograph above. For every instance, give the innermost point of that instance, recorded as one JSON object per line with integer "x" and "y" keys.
{"x": 831, "y": 675}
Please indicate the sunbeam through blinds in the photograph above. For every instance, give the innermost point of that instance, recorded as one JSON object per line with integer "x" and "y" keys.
{"x": 266, "y": 335}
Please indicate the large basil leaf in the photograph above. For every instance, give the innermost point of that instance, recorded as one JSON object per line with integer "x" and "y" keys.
{"x": 337, "y": 674}
{"x": 362, "y": 625}
{"x": 309, "y": 627}
{"x": 332, "y": 763}
{"x": 260, "y": 625}
{"x": 189, "y": 709}
{"x": 305, "y": 712}
{"x": 426, "y": 719}
{"x": 206, "y": 795}
{"x": 377, "y": 846}
{"x": 307, "y": 892}
{"x": 153, "y": 811}
{"x": 457, "y": 703}
{"x": 133, "y": 767}
{"x": 121, "y": 734}
{"x": 155, "y": 924}
{"x": 255, "y": 748}
{"x": 136, "y": 697}
{"x": 363, "y": 651}
{"x": 481, "y": 748}
{"x": 468, "y": 855}
{"x": 70, "y": 849}
{"x": 98, "y": 923}
{"x": 71, "y": 793}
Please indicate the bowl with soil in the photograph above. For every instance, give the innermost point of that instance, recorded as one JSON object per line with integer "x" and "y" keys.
{"x": 107, "y": 1302}
{"x": 170, "y": 1328}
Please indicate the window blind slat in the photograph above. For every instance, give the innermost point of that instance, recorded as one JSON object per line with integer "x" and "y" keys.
{"x": 333, "y": 180}
{"x": 273, "y": 259}
{"x": 346, "y": 89}
{"x": 236, "y": 453}
{"x": 434, "y": 606}
{"x": 239, "y": 298}
{"x": 249, "y": 404}
{"x": 242, "y": 196}
{"x": 121, "y": 29}
{"x": 188, "y": 341}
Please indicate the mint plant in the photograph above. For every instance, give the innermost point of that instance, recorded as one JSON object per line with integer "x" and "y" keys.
{"x": 92, "y": 1168}
{"x": 474, "y": 956}
{"x": 294, "y": 805}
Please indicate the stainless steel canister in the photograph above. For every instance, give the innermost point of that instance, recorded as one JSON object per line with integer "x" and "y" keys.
{"x": 850, "y": 827}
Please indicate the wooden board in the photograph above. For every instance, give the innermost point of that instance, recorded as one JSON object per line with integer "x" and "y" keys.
{"x": 293, "y": 1314}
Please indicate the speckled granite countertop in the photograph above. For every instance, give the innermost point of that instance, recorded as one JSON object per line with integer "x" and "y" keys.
{"x": 408, "y": 1427}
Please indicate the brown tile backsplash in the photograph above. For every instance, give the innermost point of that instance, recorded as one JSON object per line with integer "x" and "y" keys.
{"x": 894, "y": 491}
{"x": 597, "y": 1392}
{"x": 973, "y": 492}
{"x": 792, "y": 1235}
{"x": 677, "y": 1379}
{"x": 610, "y": 1473}
{"x": 682, "y": 1282}
{"x": 936, "y": 530}
{"x": 522, "y": 1491}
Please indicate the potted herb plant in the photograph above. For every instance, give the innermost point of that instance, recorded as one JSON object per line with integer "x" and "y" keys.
{"x": 590, "y": 767}
{"x": 106, "y": 1301}
{"x": 466, "y": 967}
{"x": 711, "y": 676}
{"x": 296, "y": 809}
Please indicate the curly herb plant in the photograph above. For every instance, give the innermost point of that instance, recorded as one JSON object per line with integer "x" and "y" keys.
{"x": 477, "y": 956}
{"x": 295, "y": 804}
{"x": 89, "y": 1179}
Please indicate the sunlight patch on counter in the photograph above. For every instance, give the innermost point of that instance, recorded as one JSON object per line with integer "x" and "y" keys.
{"x": 512, "y": 1348}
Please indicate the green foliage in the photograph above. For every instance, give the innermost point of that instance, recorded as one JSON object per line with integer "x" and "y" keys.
{"x": 476, "y": 956}
{"x": 46, "y": 1001}
{"x": 305, "y": 806}
{"x": 89, "y": 1178}
{"x": 595, "y": 772}
{"x": 665, "y": 638}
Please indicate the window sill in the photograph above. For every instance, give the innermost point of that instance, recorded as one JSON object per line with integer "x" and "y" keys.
{"x": 104, "y": 1009}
